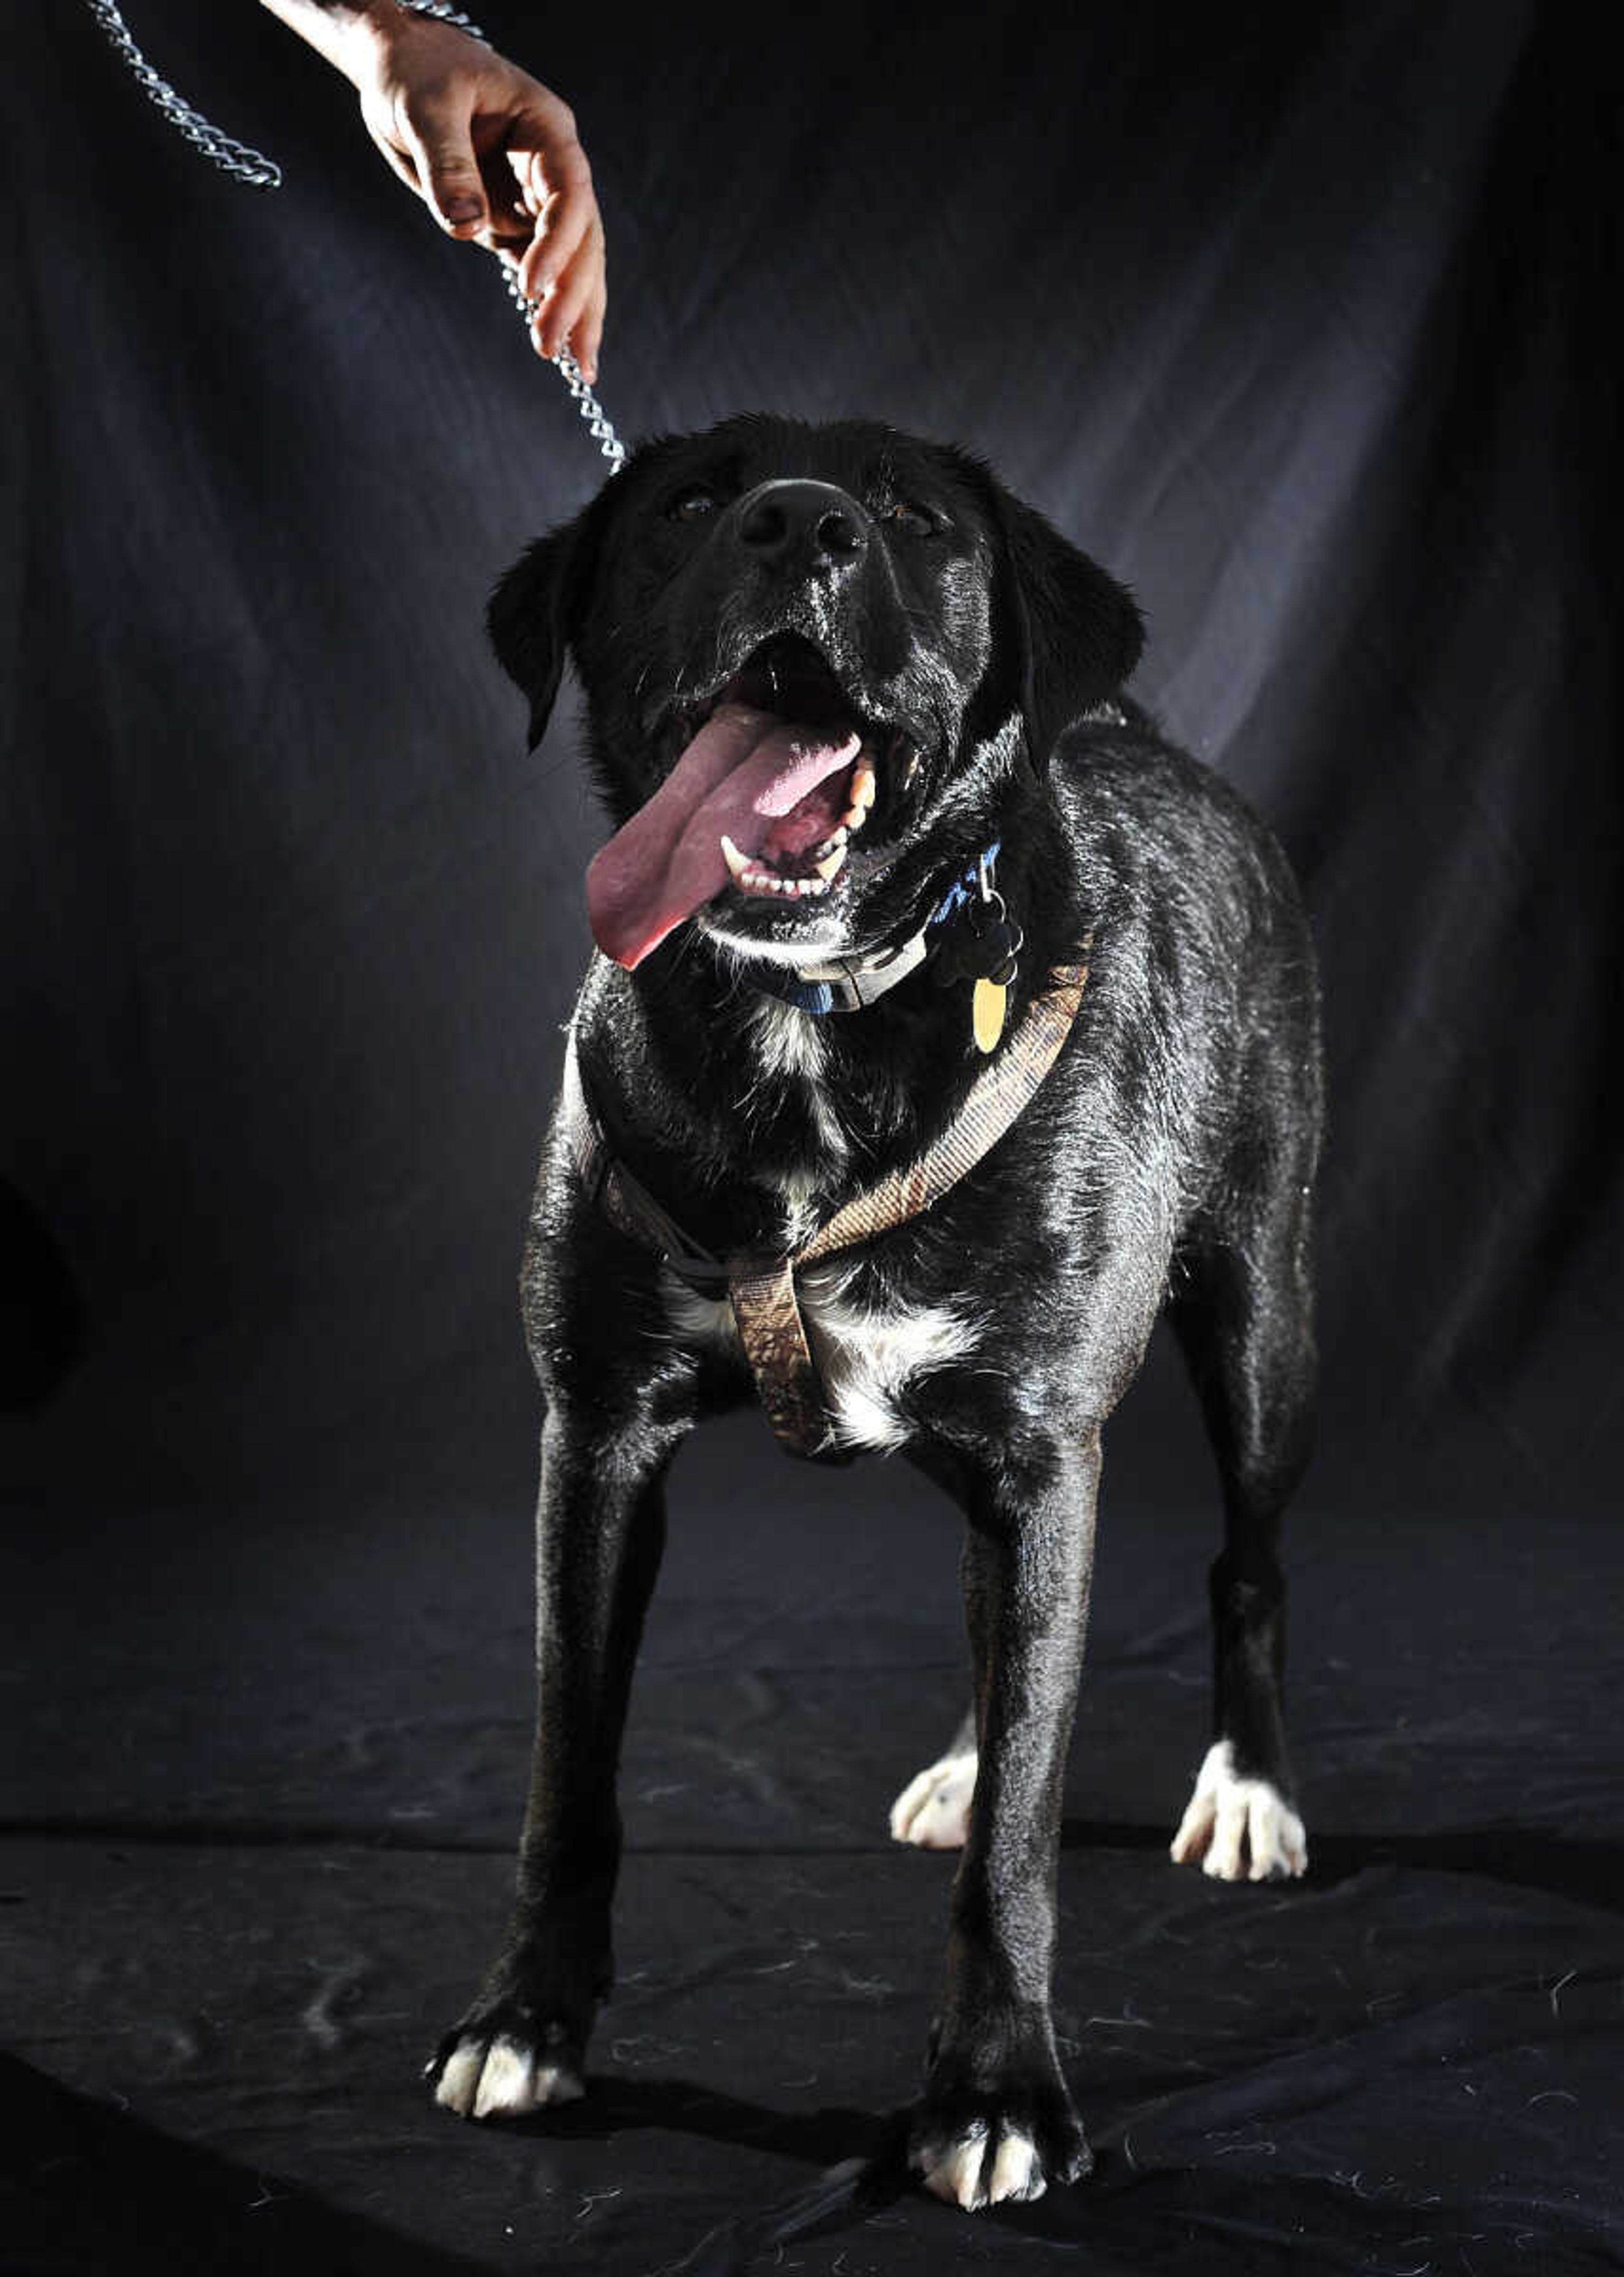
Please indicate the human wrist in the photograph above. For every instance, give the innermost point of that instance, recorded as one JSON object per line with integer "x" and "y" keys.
{"x": 353, "y": 35}
{"x": 366, "y": 35}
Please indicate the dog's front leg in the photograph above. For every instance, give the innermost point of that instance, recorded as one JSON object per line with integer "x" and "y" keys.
{"x": 600, "y": 1530}
{"x": 995, "y": 2120}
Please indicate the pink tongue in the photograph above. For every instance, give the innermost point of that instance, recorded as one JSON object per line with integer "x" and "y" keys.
{"x": 742, "y": 768}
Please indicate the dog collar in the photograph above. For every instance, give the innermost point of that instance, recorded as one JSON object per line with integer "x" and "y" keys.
{"x": 850, "y": 983}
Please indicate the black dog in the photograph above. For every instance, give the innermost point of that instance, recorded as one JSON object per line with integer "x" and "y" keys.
{"x": 855, "y": 710}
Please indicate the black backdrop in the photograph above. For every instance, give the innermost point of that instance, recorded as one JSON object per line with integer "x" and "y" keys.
{"x": 1299, "y": 321}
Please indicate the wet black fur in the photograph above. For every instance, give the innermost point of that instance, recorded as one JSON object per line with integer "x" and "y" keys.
{"x": 1170, "y": 1155}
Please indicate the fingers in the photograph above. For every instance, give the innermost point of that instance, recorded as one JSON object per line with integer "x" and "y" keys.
{"x": 496, "y": 159}
{"x": 558, "y": 180}
{"x": 563, "y": 267}
{"x": 587, "y": 336}
{"x": 439, "y": 140}
{"x": 395, "y": 157}
{"x": 572, "y": 316}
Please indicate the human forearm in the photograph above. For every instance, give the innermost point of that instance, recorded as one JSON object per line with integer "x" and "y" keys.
{"x": 348, "y": 33}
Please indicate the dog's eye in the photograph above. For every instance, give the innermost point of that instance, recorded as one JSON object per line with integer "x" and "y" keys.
{"x": 916, "y": 520}
{"x": 693, "y": 504}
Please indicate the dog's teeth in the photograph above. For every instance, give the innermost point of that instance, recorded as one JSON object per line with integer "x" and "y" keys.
{"x": 772, "y": 881}
{"x": 861, "y": 789}
{"x": 836, "y": 838}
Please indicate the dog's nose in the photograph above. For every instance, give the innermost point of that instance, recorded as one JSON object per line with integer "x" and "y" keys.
{"x": 804, "y": 525}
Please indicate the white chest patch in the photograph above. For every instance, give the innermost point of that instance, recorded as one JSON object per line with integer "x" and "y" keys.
{"x": 788, "y": 1040}
{"x": 864, "y": 1356}
{"x": 791, "y": 1045}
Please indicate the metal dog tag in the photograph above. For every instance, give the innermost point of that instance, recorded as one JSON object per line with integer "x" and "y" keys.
{"x": 987, "y": 1013}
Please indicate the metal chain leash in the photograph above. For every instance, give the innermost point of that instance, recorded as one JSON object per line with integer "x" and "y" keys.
{"x": 244, "y": 163}
{"x": 237, "y": 159}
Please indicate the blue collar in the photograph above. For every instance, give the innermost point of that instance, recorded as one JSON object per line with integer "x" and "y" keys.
{"x": 848, "y": 985}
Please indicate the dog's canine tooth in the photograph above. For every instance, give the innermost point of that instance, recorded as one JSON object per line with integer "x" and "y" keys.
{"x": 835, "y": 838}
{"x": 861, "y": 786}
{"x": 831, "y": 863}
{"x": 737, "y": 864}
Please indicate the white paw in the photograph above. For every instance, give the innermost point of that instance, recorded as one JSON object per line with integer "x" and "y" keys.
{"x": 502, "y": 2079}
{"x": 1241, "y": 1830}
{"x": 975, "y": 2171}
{"x": 933, "y": 1809}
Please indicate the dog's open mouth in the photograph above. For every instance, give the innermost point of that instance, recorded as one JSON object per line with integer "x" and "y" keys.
{"x": 778, "y": 773}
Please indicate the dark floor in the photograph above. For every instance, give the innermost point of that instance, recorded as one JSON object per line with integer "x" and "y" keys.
{"x": 262, "y": 1768}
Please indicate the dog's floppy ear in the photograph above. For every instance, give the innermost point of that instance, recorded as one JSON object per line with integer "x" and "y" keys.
{"x": 534, "y": 613}
{"x": 1077, "y": 634}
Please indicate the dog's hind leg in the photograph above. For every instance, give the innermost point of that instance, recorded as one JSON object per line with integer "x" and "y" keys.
{"x": 1244, "y": 1316}
{"x": 600, "y": 1531}
{"x": 995, "y": 2119}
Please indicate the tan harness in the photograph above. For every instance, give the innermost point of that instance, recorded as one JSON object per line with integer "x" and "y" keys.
{"x": 762, "y": 1290}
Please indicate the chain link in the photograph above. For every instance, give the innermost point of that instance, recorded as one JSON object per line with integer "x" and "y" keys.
{"x": 598, "y": 425}
{"x": 237, "y": 159}
{"x": 244, "y": 163}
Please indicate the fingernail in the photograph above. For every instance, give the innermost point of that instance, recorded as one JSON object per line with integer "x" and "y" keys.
{"x": 463, "y": 209}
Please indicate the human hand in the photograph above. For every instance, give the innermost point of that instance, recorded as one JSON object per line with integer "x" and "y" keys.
{"x": 494, "y": 157}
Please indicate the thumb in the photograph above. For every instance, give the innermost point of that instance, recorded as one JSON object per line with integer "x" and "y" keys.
{"x": 448, "y": 172}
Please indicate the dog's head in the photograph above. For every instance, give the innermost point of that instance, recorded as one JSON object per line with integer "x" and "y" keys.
{"x": 810, "y": 655}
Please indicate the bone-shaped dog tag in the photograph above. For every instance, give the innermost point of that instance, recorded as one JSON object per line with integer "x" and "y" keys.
{"x": 987, "y": 1013}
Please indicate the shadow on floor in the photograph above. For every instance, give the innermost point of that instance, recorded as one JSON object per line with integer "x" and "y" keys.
{"x": 1591, "y": 1873}
{"x": 86, "y": 2190}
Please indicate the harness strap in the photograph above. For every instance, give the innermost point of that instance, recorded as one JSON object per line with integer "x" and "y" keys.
{"x": 623, "y": 1200}
{"x": 998, "y": 1098}
{"x": 767, "y": 1309}
{"x": 762, "y": 1290}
